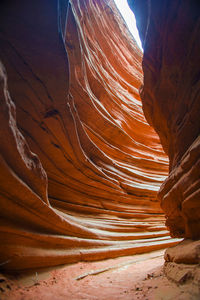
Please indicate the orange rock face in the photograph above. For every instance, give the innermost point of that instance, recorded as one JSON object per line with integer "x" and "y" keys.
{"x": 80, "y": 166}
{"x": 171, "y": 64}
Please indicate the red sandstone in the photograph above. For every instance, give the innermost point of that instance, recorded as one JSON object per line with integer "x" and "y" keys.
{"x": 80, "y": 165}
{"x": 89, "y": 190}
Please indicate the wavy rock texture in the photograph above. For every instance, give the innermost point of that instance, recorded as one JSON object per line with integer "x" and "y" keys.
{"x": 89, "y": 191}
{"x": 170, "y": 31}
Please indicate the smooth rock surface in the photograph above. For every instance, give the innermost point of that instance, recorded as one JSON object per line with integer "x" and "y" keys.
{"x": 80, "y": 166}
{"x": 171, "y": 39}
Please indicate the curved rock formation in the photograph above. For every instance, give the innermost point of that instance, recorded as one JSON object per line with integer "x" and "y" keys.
{"x": 171, "y": 64}
{"x": 170, "y": 31}
{"x": 80, "y": 166}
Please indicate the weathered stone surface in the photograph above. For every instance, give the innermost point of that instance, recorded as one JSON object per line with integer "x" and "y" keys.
{"x": 187, "y": 251}
{"x": 184, "y": 275}
{"x": 171, "y": 65}
{"x": 182, "y": 266}
{"x": 89, "y": 191}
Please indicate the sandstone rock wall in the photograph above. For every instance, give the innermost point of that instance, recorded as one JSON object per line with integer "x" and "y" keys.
{"x": 171, "y": 39}
{"x": 80, "y": 166}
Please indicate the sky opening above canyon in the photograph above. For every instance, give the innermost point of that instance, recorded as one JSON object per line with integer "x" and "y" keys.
{"x": 129, "y": 18}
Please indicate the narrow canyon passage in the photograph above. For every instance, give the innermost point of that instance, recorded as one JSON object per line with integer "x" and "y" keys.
{"x": 83, "y": 181}
{"x": 84, "y": 121}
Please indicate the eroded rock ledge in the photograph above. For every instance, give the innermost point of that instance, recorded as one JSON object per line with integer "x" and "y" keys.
{"x": 80, "y": 166}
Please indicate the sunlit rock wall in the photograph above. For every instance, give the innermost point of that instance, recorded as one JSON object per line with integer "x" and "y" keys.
{"x": 80, "y": 166}
{"x": 170, "y": 31}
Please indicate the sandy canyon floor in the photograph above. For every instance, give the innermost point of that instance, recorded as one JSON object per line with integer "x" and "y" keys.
{"x": 128, "y": 278}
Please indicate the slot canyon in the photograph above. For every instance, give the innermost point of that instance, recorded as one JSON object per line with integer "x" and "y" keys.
{"x": 100, "y": 150}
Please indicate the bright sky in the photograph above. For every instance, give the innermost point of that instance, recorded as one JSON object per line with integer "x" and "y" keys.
{"x": 129, "y": 17}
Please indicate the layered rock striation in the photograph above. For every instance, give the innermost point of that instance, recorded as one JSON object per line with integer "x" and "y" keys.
{"x": 80, "y": 166}
{"x": 170, "y": 31}
{"x": 171, "y": 64}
